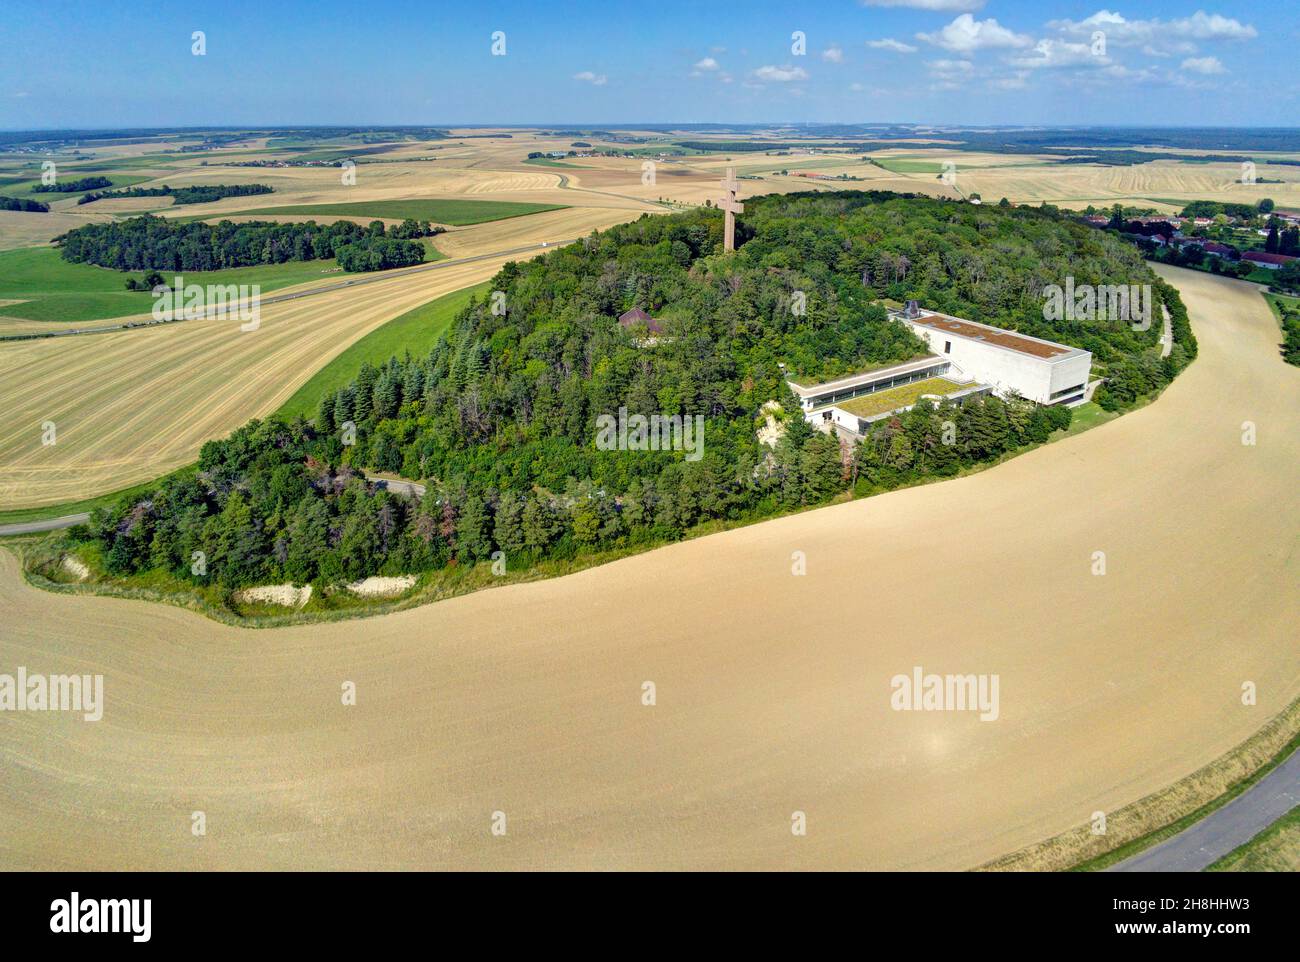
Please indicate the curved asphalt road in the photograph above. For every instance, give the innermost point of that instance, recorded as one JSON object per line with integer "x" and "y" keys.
{"x": 36, "y": 527}
{"x": 1227, "y": 828}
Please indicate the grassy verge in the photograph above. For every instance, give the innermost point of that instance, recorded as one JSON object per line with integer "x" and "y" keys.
{"x": 1276, "y": 849}
{"x": 1277, "y": 301}
{"x": 1161, "y": 815}
{"x": 415, "y": 331}
{"x": 458, "y": 213}
{"x": 1088, "y": 415}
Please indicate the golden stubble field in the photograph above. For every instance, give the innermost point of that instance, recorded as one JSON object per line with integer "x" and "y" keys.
{"x": 129, "y": 406}
{"x": 772, "y": 690}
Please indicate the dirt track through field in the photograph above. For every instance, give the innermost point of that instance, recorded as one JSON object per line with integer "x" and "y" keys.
{"x": 772, "y": 690}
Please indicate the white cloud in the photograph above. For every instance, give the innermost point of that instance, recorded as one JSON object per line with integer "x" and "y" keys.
{"x": 783, "y": 74}
{"x": 889, "y": 43}
{"x": 833, "y": 54}
{"x": 1157, "y": 37}
{"x": 856, "y": 87}
{"x": 597, "y": 80}
{"x": 945, "y": 6}
{"x": 951, "y": 66}
{"x": 1205, "y": 65}
{"x": 708, "y": 63}
{"x": 1017, "y": 81}
{"x": 966, "y": 34}
{"x": 1059, "y": 53}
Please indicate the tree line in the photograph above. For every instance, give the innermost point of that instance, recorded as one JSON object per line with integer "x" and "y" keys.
{"x": 499, "y": 418}
{"x": 196, "y": 194}
{"x": 153, "y": 243}
{"x": 23, "y": 204}
{"x": 72, "y": 186}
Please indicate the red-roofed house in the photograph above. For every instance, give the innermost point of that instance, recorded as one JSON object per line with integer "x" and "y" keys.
{"x": 1270, "y": 261}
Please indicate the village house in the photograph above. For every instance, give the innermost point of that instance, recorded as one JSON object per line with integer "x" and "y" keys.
{"x": 1268, "y": 261}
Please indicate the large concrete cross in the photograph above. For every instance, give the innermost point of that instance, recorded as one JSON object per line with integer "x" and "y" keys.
{"x": 732, "y": 208}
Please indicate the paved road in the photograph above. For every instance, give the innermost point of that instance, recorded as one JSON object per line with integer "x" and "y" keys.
{"x": 310, "y": 292}
{"x": 1223, "y": 830}
{"x": 35, "y": 527}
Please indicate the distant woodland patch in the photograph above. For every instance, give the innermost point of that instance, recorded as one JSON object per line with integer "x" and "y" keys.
{"x": 22, "y": 204}
{"x": 72, "y": 186}
{"x": 198, "y": 194}
{"x": 148, "y": 243}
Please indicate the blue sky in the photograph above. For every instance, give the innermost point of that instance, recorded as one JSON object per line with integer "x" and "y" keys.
{"x": 108, "y": 64}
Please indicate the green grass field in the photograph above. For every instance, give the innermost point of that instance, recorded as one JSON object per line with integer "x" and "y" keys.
{"x": 1089, "y": 415}
{"x": 51, "y": 289}
{"x": 551, "y": 162}
{"x": 908, "y": 165}
{"x": 23, "y": 188}
{"x": 415, "y": 331}
{"x": 457, "y": 213}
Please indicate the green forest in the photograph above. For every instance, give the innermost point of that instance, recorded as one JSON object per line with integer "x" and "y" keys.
{"x": 154, "y": 243}
{"x": 499, "y": 419}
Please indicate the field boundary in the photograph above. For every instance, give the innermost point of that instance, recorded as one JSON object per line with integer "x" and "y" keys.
{"x": 461, "y": 580}
{"x": 356, "y": 280}
{"x": 1165, "y": 813}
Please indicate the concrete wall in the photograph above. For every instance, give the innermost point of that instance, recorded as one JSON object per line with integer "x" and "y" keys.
{"x": 1008, "y": 371}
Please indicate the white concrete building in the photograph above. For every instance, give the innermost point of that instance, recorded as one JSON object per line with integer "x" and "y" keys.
{"x": 1011, "y": 363}
{"x": 852, "y": 403}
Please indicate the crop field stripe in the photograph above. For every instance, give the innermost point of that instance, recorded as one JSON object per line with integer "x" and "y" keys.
{"x": 458, "y": 213}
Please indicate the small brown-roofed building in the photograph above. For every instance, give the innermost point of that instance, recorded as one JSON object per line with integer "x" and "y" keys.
{"x": 629, "y": 319}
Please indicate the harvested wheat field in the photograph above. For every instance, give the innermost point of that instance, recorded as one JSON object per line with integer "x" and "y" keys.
{"x": 23, "y": 229}
{"x": 129, "y": 406}
{"x": 772, "y": 690}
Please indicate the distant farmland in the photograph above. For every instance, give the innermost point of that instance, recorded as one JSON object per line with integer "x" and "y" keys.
{"x": 458, "y": 213}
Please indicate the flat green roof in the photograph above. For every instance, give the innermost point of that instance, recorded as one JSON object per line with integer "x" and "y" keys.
{"x": 905, "y": 395}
